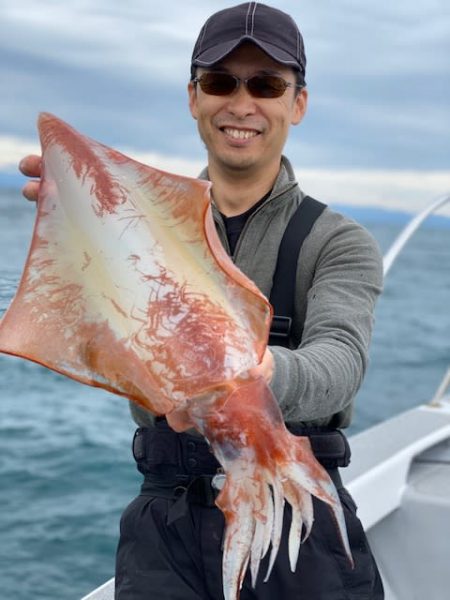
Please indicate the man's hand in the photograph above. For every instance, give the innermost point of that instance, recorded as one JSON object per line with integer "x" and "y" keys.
{"x": 31, "y": 167}
{"x": 265, "y": 368}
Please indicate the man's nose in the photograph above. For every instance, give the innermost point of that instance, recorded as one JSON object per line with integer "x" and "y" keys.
{"x": 241, "y": 102}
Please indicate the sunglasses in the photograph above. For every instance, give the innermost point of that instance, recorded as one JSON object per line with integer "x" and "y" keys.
{"x": 258, "y": 86}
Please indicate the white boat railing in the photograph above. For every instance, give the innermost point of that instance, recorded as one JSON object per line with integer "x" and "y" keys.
{"x": 409, "y": 230}
{"x": 442, "y": 390}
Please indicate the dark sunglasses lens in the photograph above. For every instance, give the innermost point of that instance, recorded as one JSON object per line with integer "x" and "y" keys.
{"x": 266, "y": 86}
{"x": 217, "y": 84}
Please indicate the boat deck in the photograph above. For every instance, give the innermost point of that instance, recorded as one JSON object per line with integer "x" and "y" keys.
{"x": 401, "y": 481}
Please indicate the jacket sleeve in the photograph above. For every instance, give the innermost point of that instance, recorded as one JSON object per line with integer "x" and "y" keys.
{"x": 318, "y": 380}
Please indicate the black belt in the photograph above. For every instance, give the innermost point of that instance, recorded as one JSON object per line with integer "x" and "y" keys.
{"x": 330, "y": 446}
{"x": 182, "y": 466}
{"x": 160, "y": 450}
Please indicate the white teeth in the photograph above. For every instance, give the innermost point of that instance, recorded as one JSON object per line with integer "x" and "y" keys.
{"x": 240, "y": 134}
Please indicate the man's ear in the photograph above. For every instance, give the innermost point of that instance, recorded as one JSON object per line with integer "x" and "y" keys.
{"x": 192, "y": 93}
{"x": 301, "y": 103}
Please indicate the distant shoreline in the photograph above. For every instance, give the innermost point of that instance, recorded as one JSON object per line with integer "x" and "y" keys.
{"x": 13, "y": 183}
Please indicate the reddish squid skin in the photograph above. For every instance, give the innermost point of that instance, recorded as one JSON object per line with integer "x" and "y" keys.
{"x": 249, "y": 417}
{"x": 109, "y": 280}
{"x": 128, "y": 283}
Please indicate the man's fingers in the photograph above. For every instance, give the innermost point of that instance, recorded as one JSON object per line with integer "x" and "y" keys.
{"x": 265, "y": 368}
{"x": 31, "y": 191}
{"x": 31, "y": 166}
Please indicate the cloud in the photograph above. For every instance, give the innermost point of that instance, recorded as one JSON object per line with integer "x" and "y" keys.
{"x": 379, "y": 76}
{"x": 97, "y": 35}
{"x": 409, "y": 191}
{"x": 13, "y": 149}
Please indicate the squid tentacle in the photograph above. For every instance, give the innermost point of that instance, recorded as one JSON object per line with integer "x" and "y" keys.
{"x": 266, "y": 466}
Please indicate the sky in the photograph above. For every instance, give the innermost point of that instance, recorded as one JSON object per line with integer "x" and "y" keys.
{"x": 377, "y": 131}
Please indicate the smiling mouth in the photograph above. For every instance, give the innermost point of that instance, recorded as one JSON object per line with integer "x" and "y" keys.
{"x": 239, "y": 134}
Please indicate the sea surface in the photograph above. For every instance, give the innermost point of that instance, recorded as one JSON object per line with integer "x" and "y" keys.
{"x": 66, "y": 470}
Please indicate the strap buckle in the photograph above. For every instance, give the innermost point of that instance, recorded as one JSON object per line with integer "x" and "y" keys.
{"x": 280, "y": 326}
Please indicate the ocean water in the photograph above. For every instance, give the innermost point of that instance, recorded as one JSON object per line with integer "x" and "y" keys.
{"x": 66, "y": 470}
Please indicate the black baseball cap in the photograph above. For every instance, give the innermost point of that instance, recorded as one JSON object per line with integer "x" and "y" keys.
{"x": 274, "y": 31}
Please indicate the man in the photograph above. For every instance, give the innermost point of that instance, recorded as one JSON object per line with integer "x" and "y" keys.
{"x": 247, "y": 88}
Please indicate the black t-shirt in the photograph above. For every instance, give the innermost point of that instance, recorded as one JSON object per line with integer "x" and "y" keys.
{"x": 235, "y": 225}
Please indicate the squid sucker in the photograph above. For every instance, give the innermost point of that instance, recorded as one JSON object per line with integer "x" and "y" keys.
{"x": 127, "y": 287}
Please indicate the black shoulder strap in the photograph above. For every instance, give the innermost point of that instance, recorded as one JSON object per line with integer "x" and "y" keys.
{"x": 282, "y": 295}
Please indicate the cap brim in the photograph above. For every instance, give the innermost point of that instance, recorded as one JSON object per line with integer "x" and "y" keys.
{"x": 221, "y": 51}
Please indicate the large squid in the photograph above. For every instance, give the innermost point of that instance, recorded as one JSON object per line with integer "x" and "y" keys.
{"x": 127, "y": 287}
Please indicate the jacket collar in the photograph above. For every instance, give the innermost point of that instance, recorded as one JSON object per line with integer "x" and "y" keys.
{"x": 284, "y": 181}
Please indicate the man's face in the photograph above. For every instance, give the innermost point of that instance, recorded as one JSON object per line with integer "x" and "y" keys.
{"x": 243, "y": 133}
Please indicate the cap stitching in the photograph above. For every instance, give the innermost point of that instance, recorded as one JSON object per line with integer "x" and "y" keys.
{"x": 250, "y": 25}
{"x": 246, "y": 17}
{"x": 253, "y": 19}
{"x": 294, "y": 62}
{"x": 208, "y": 63}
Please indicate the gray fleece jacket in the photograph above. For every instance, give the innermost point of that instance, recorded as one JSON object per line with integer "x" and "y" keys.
{"x": 339, "y": 277}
